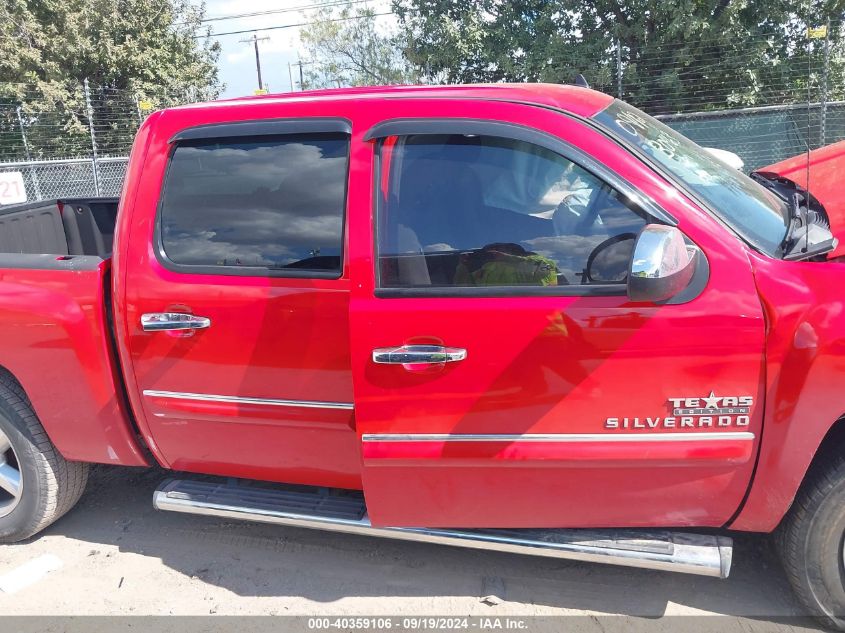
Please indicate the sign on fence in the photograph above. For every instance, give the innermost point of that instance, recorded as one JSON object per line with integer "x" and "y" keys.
{"x": 12, "y": 190}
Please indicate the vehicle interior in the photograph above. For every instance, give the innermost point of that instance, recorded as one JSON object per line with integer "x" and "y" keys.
{"x": 469, "y": 210}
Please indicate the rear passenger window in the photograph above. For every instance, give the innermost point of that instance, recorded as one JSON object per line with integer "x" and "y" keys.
{"x": 470, "y": 210}
{"x": 256, "y": 204}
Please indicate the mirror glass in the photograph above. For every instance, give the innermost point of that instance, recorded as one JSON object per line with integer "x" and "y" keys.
{"x": 610, "y": 260}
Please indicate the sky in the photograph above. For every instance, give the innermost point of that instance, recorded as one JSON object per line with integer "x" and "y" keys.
{"x": 237, "y": 59}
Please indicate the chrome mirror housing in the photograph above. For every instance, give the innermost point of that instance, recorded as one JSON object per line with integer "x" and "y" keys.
{"x": 663, "y": 264}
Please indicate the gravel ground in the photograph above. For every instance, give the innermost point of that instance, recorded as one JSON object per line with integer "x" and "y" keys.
{"x": 115, "y": 555}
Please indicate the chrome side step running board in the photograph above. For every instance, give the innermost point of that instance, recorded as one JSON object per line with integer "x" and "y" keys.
{"x": 320, "y": 509}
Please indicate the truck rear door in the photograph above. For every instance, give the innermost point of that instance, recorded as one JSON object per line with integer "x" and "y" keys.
{"x": 237, "y": 297}
{"x": 502, "y": 378}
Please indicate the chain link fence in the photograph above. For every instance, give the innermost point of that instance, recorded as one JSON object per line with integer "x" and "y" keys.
{"x": 765, "y": 135}
{"x": 762, "y": 108}
{"x": 760, "y": 136}
{"x": 76, "y": 146}
{"x": 70, "y": 178}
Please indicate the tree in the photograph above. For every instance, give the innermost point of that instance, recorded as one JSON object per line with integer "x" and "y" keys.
{"x": 123, "y": 48}
{"x": 348, "y": 48}
{"x": 675, "y": 56}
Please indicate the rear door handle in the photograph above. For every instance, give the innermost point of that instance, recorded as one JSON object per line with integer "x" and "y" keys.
{"x": 158, "y": 321}
{"x": 418, "y": 355}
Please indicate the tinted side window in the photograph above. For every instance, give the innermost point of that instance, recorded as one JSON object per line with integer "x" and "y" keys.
{"x": 260, "y": 203}
{"x": 486, "y": 211}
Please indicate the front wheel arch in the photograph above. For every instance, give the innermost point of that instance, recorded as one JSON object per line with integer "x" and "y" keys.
{"x": 811, "y": 537}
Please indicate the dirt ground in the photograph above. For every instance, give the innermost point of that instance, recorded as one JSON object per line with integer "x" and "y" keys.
{"x": 114, "y": 554}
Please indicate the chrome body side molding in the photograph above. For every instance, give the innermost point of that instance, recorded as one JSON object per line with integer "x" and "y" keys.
{"x": 272, "y": 402}
{"x": 560, "y": 437}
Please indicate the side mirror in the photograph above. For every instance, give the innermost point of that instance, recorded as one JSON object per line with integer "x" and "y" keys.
{"x": 662, "y": 266}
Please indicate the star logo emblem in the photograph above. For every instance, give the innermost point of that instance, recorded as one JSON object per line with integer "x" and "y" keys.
{"x": 712, "y": 401}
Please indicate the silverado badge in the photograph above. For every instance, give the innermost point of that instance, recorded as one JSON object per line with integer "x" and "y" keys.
{"x": 707, "y": 411}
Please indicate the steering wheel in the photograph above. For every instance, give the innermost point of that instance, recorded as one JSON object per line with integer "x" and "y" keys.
{"x": 624, "y": 257}
{"x": 598, "y": 202}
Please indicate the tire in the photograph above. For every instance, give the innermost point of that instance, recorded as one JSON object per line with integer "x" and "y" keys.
{"x": 811, "y": 538}
{"x": 49, "y": 484}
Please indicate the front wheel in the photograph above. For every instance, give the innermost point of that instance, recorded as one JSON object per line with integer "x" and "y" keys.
{"x": 37, "y": 484}
{"x": 811, "y": 541}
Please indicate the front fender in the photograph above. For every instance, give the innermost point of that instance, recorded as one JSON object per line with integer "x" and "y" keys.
{"x": 804, "y": 303}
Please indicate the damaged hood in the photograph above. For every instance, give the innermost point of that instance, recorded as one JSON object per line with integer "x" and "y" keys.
{"x": 827, "y": 183}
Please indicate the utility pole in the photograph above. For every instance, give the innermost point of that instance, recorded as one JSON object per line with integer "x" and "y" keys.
{"x": 299, "y": 63}
{"x": 254, "y": 40}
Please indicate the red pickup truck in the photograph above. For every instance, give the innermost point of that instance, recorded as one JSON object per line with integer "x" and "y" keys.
{"x": 519, "y": 317}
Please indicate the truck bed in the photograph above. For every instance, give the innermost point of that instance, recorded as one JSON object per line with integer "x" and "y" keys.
{"x": 55, "y": 340}
{"x": 63, "y": 226}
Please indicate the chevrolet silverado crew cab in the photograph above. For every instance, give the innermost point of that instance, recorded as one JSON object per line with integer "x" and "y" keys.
{"x": 520, "y": 317}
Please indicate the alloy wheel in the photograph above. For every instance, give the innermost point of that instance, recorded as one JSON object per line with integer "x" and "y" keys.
{"x": 11, "y": 481}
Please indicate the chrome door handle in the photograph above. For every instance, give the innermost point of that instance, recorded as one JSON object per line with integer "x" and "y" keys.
{"x": 418, "y": 354}
{"x": 158, "y": 321}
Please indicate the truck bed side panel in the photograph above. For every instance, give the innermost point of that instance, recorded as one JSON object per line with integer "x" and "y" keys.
{"x": 54, "y": 339}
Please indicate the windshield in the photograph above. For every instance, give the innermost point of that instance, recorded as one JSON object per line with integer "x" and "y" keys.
{"x": 757, "y": 214}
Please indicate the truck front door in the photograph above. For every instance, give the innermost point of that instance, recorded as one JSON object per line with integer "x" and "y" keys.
{"x": 502, "y": 377}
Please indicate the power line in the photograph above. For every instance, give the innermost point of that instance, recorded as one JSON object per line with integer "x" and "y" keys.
{"x": 236, "y": 16}
{"x": 306, "y": 7}
{"x": 292, "y": 26}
